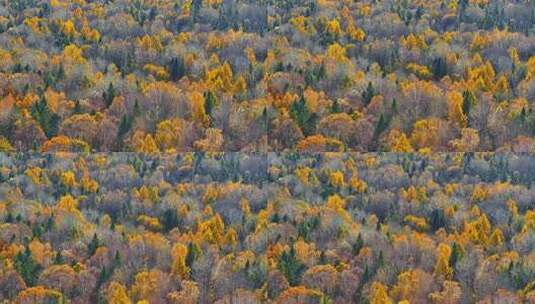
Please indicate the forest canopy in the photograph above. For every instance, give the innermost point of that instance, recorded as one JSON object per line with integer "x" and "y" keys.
{"x": 239, "y": 75}
{"x": 269, "y": 228}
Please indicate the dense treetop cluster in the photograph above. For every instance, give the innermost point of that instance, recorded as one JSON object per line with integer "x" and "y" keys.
{"x": 269, "y": 228}
{"x": 265, "y": 75}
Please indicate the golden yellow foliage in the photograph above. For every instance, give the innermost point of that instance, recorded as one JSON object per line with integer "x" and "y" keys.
{"x": 442, "y": 269}
{"x": 379, "y": 294}
{"x": 117, "y": 294}
{"x": 178, "y": 266}
{"x": 398, "y": 142}
{"x": 455, "y": 109}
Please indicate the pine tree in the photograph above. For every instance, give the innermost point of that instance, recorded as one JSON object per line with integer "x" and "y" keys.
{"x": 58, "y": 259}
{"x": 27, "y": 267}
{"x": 193, "y": 253}
{"x": 170, "y": 219}
{"x": 437, "y": 219}
{"x": 358, "y": 245}
{"x": 304, "y": 118}
{"x": 439, "y": 68}
{"x": 116, "y": 260}
{"x": 137, "y": 109}
{"x": 77, "y": 108}
{"x": 196, "y": 6}
{"x": 210, "y": 102}
{"x": 393, "y": 108}
{"x": 60, "y": 73}
{"x": 366, "y": 275}
{"x": 368, "y": 94}
{"x": 468, "y": 101}
{"x": 380, "y": 260}
{"x": 176, "y": 68}
{"x": 93, "y": 245}
{"x": 109, "y": 95}
{"x": 335, "y": 107}
{"x": 124, "y": 126}
{"x": 455, "y": 255}
{"x": 49, "y": 121}
{"x": 381, "y": 126}
{"x": 291, "y": 267}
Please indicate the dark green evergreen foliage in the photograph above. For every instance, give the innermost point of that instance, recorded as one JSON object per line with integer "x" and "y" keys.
{"x": 380, "y": 260}
{"x": 381, "y": 126}
{"x": 37, "y": 230}
{"x": 256, "y": 273}
{"x": 367, "y": 274}
{"x": 93, "y": 245}
{"x": 469, "y": 100}
{"x": 27, "y": 267}
{"x": 437, "y": 219}
{"x": 368, "y": 94}
{"x": 9, "y": 218}
{"x": 210, "y": 101}
{"x": 194, "y": 251}
{"x": 307, "y": 226}
{"x": 124, "y": 126}
{"x": 455, "y": 255}
{"x": 139, "y": 11}
{"x": 77, "y": 107}
{"x": 45, "y": 117}
{"x": 335, "y": 107}
{"x": 196, "y": 6}
{"x": 170, "y": 220}
{"x": 439, "y": 68}
{"x": 357, "y": 246}
{"x": 322, "y": 259}
{"x": 291, "y": 267}
{"x": 462, "y": 6}
{"x": 176, "y": 68}
{"x": 494, "y": 16}
{"x": 117, "y": 261}
{"x": 301, "y": 114}
{"x": 519, "y": 275}
{"x": 137, "y": 110}
{"x": 393, "y": 107}
{"x": 109, "y": 95}
{"x": 58, "y": 259}
{"x": 314, "y": 75}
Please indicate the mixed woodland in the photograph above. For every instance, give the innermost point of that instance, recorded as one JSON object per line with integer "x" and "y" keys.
{"x": 268, "y": 228}
{"x": 242, "y": 75}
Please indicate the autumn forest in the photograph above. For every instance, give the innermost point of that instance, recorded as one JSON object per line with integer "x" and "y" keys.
{"x": 267, "y": 151}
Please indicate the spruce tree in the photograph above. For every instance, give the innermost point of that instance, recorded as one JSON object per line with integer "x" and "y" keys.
{"x": 368, "y": 94}
{"x": 393, "y": 108}
{"x": 58, "y": 259}
{"x": 291, "y": 267}
{"x": 439, "y": 68}
{"x": 193, "y": 253}
{"x": 137, "y": 109}
{"x": 109, "y": 95}
{"x": 196, "y": 6}
{"x": 335, "y": 107}
{"x": 210, "y": 102}
{"x": 455, "y": 255}
{"x": 93, "y": 245}
{"x": 304, "y": 118}
{"x": 48, "y": 120}
{"x": 381, "y": 126}
{"x": 124, "y": 126}
{"x": 176, "y": 68}
{"x": 27, "y": 267}
{"x": 468, "y": 101}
